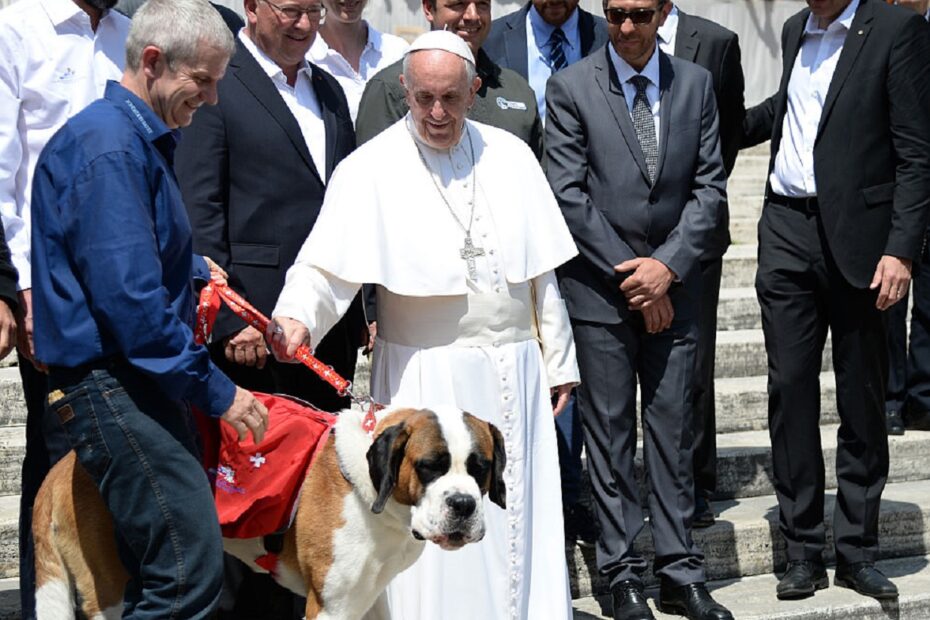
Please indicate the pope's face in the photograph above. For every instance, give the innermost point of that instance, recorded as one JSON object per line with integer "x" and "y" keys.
{"x": 470, "y": 19}
{"x": 555, "y": 12}
{"x": 439, "y": 96}
{"x": 176, "y": 94}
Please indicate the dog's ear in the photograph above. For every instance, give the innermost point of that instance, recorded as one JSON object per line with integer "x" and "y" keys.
{"x": 497, "y": 492}
{"x": 384, "y": 458}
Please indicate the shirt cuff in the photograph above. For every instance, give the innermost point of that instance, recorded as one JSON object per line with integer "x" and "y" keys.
{"x": 21, "y": 262}
{"x": 201, "y": 269}
{"x": 218, "y": 396}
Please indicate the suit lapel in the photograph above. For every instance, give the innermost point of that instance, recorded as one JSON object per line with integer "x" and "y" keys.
{"x": 855, "y": 39}
{"x": 687, "y": 41}
{"x": 607, "y": 80}
{"x": 257, "y": 82}
{"x": 792, "y": 46}
{"x": 330, "y": 121}
{"x": 666, "y": 75}
{"x": 585, "y": 32}
{"x": 515, "y": 41}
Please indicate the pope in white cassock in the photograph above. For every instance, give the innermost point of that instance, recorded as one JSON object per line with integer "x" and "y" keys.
{"x": 456, "y": 225}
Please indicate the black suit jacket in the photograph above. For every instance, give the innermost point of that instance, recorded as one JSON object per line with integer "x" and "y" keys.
{"x": 598, "y": 174}
{"x": 250, "y": 186}
{"x": 872, "y": 150}
{"x": 717, "y": 49}
{"x": 506, "y": 44}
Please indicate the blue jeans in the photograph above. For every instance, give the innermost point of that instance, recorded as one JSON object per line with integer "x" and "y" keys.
{"x": 571, "y": 442}
{"x": 138, "y": 446}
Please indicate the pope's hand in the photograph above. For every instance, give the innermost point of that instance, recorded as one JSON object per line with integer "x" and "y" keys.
{"x": 285, "y": 335}
{"x": 246, "y": 415}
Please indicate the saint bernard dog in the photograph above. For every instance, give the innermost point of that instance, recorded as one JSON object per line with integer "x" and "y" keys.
{"x": 367, "y": 507}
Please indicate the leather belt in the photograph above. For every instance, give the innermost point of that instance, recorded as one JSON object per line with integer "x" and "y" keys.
{"x": 808, "y": 205}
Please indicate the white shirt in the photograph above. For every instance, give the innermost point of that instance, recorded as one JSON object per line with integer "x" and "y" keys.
{"x": 52, "y": 64}
{"x": 668, "y": 32}
{"x": 651, "y": 71}
{"x": 793, "y": 174}
{"x": 300, "y": 100}
{"x": 538, "y": 34}
{"x": 381, "y": 50}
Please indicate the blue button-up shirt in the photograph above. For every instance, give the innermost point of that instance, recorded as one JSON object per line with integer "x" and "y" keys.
{"x": 113, "y": 268}
{"x": 538, "y": 33}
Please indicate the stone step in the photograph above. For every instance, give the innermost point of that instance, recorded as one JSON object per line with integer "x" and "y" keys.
{"x": 742, "y": 402}
{"x": 745, "y": 540}
{"x": 12, "y": 405}
{"x": 738, "y": 308}
{"x": 9, "y": 537}
{"x": 12, "y": 453}
{"x": 741, "y": 353}
{"x": 9, "y": 599}
{"x": 753, "y": 598}
{"x": 739, "y": 266}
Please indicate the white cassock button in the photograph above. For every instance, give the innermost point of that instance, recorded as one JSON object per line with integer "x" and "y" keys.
{"x": 491, "y": 252}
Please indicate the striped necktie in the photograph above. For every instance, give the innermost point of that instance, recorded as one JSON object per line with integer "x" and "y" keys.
{"x": 644, "y": 124}
{"x": 557, "y": 58}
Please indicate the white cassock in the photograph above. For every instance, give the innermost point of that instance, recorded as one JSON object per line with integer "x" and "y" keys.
{"x": 492, "y": 345}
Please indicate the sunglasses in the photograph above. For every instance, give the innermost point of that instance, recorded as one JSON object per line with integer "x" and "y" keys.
{"x": 639, "y": 17}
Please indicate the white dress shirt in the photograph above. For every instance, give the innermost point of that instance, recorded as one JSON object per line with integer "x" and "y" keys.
{"x": 668, "y": 32}
{"x": 793, "y": 174}
{"x": 381, "y": 50}
{"x": 52, "y": 64}
{"x": 538, "y": 33}
{"x": 300, "y": 100}
{"x": 651, "y": 72}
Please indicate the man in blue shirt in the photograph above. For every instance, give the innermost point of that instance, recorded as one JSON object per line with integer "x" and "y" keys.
{"x": 113, "y": 292}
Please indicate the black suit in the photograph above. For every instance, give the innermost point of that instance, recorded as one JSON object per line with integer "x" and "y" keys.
{"x": 716, "y": 49}
{"x": 599, "y": 175}
{"x": 816, "y": 262}
{"x": 253, "y": 193}
{"x": 506, "y": 44}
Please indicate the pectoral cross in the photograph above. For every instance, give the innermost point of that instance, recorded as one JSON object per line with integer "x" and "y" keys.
{"x": 468, "y": 254}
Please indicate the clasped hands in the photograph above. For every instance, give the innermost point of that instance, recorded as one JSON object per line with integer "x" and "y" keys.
{"x": 646, "y": 291}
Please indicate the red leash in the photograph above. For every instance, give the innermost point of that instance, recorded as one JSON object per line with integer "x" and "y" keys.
{"x": 215, "y": 293}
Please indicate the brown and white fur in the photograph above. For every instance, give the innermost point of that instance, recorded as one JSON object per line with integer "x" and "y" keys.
{"x": 366, "y": 508}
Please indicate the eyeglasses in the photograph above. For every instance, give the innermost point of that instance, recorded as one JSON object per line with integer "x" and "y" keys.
{"x": 639, "y": 17}
{"x": 293, "y": 13}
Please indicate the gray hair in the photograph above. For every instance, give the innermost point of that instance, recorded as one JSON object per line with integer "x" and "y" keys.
{"x": 179, "y": 28}
{"x": 470, "y": 71}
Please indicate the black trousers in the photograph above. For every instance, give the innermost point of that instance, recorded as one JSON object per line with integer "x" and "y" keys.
{"x": 612, "y": 358}
{"x": 703, "y": 396}
{"x": 802, "y": 295}
{"x": 909, "y": 366}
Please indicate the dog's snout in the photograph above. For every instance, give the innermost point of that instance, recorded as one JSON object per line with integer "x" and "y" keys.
{"x": 462, "y": 504}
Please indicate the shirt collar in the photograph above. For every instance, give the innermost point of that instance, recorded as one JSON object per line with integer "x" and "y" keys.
{"x": 542, "y": 29}
{"x": 269, "y": 66}
{"x": 149, "y": 124}
{"x": 844, "y": 21}
{"x": 670, "y": 27}
{"x": 60, "y": 11}
{"x": 625, "y": 71}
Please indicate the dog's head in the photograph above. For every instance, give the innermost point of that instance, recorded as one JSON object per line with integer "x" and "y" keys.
{"x": 440, "y": 463}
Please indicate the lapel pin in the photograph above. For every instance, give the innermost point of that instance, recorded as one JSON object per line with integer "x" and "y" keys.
{"x": 862, "y": 32}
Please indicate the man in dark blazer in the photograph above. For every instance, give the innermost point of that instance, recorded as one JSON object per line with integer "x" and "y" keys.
{"x": 845, "y": 215}
{"x": 253, "y": 172}
{"x": 716, "y": 49}
{"x": 634, "y": 161}
{"x": 509, "y": 42}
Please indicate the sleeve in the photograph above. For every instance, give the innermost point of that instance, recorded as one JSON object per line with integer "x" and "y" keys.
{"x": 567, "y": 166}
{"x": 758, "y": 123}
{"x": 380, "y": 107}
{"x": 690, "y": 239}
{"x": 201, "y": 163}
{"x": 13, "y": 147}
{"x": 112, "y": 238}
{"x": 909, "y": 100}
{"x": 314, "y": 297}
{"x": 555, "y": 332}
{"x": 8, "y": 275}
{"x": 731, "y": 103}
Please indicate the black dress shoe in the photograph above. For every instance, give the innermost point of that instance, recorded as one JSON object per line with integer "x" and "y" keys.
{"x": 894, "y": 422}
{"x": 703, "y": 513}
{"x": 917, "y": 420}
{"x": 865, "y": 579}
{"x": 630, "y": 602}
{"x": 692, "y": 601}
{"x": 802, "y": 579}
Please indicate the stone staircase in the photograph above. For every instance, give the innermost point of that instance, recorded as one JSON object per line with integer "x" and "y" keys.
{"x": 744, "y": 548}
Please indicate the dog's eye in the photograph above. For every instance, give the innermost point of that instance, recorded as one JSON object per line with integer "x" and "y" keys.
{"x": 430, "y": 469}
{"x": 478, "y": 467}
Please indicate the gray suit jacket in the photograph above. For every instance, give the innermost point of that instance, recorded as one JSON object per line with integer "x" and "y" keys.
{"x": 598, "y": 173}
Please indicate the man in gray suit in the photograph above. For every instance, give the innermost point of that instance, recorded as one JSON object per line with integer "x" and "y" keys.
{"x": 634, "y": 160}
